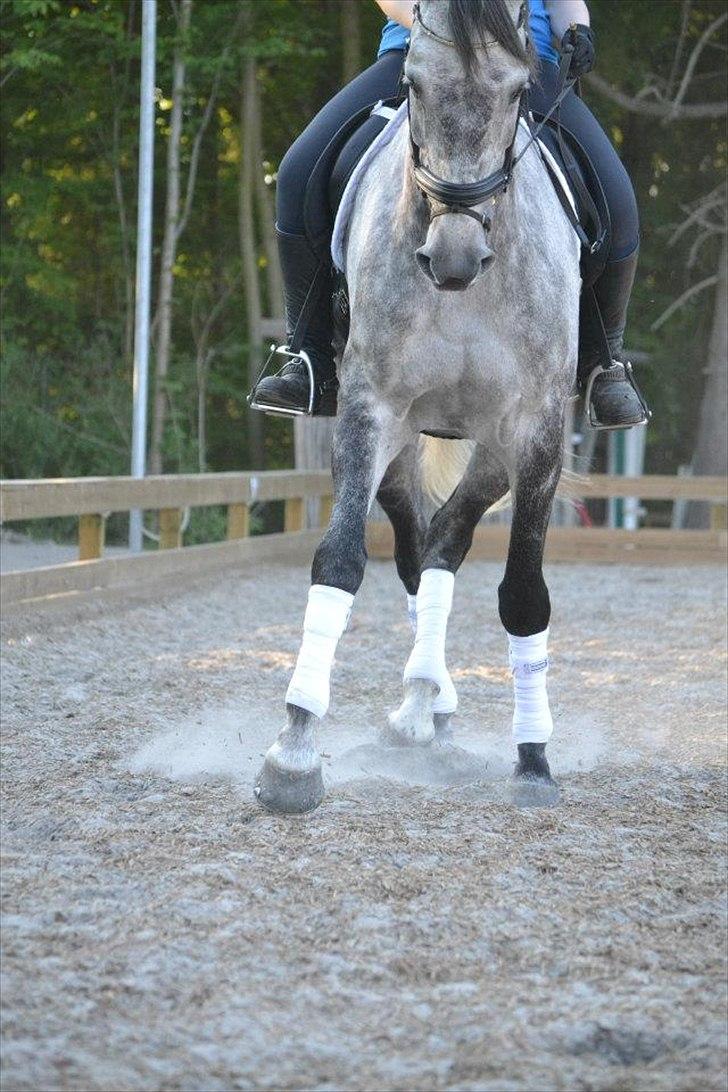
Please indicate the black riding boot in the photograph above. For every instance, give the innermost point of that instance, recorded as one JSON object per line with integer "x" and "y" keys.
{"x": 296, "y": 390}
{"x": 613, "y": 399}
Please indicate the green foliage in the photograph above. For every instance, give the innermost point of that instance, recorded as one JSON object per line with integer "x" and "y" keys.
{"x": 69, "y": 111}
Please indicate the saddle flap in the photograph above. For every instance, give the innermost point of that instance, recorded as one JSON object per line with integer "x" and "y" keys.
{"x": 578, "y": 162}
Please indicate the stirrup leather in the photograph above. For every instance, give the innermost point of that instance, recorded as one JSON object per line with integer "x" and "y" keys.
{"x": 629, "y": 376}
{"x": 281, "y": 411}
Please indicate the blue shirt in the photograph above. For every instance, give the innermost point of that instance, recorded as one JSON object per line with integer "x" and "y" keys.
{"x": 395, "y": 36}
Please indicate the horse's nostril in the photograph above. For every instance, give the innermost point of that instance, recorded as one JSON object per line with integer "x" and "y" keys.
{"x": 486, "y": 262}
{"x": 425, "y": 264}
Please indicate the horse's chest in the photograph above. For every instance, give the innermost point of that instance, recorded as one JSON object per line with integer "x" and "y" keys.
{"x": 451, "y": 334}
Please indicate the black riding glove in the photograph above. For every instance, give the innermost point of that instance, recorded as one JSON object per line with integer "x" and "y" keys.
{"x": 581, "y": 41}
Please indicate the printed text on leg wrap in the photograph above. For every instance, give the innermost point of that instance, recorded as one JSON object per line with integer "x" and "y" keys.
{"x": 529, "y": 663}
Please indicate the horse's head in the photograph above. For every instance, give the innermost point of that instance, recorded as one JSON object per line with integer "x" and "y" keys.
{"x": 467, "y": 67}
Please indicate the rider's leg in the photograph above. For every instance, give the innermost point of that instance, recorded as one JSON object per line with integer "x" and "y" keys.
{"x": 303, "y": 243}
{"x": 615, "y": 403}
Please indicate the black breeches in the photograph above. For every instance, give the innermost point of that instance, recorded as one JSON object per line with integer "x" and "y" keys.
{"x": 578, "y": 118}
{"x": 379, "y": 81}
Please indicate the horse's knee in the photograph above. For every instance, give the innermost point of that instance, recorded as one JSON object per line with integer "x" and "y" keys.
{"x": 524, "y": 605}
{"x": 339, "y": 561}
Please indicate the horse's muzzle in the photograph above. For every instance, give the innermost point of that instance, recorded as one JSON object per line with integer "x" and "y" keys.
{"x": 457, "y": 275}
{"x": 455, "y": 252}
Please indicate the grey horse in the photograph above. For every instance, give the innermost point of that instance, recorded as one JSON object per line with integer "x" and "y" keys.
{"x": 459, "y": 364}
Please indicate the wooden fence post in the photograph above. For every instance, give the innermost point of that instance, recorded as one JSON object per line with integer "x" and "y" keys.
{"x": 294, "y": 514}
{"x": 327, "y": 504}
{"x": 719, "y": 517}
{"x": 238, "y": 521}
{"x": 91, "y": 534}
{"x": 170, "y": 523}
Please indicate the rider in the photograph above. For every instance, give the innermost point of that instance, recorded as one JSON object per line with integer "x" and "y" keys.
{"x": 614, "y": 401}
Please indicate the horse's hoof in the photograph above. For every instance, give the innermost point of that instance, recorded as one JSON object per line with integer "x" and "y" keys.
{"x": 289, "y": 792}
{"x": 527, "y": 790}
{"x": 443, "y": 728}
{"x": 532, "y": 785}
{"x": 413, "y": 722}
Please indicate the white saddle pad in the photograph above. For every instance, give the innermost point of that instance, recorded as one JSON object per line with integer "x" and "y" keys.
{"x": 341, "y": 224}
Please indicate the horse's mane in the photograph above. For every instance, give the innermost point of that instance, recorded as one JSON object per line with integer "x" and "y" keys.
{"x": 475, "y": 22}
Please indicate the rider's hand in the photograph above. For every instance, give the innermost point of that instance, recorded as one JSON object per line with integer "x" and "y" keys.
{"x": 581, "y": 41}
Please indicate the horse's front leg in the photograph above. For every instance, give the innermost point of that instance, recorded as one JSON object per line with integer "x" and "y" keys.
{"x": 525, "y": 608}
{"x": 429, "y": 695}
{"x": 364, "y": 444}
{"x": 400, "y": 495}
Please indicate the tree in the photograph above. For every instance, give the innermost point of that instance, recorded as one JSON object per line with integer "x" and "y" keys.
{"x": 69, "y": 111}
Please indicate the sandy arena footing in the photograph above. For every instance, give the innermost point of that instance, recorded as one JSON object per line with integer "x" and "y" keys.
{"x": 418, "y": 931}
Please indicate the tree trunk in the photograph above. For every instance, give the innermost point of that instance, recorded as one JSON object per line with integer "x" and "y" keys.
{"x": 120, "y": 93}
{"x": 202, "y": 370}
{"x": 163, "y": 318}
{"x": 312, "y": 451}
{"x": 249, "y": 119}
{"x": 351, "y": 40}
{"x": 313, "y": 436}
{"x": 710, "y": 455}
{"x": 266, "y": 219}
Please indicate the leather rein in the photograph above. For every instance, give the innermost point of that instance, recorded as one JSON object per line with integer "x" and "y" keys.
{"x": 461, "y": 197}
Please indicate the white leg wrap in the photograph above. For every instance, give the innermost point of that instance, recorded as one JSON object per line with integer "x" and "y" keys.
{"x": 427, "y": 659}
{"x": 325, "y": 620}
{"x": 529, "y": 663}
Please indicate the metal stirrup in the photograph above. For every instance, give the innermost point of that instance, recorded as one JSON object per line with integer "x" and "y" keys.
{"x": 629, "y": 376}
{"x": 282, "y": 411}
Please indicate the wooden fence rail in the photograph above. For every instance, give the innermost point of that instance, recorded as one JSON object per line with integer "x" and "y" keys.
{"x": 92, "y": 499}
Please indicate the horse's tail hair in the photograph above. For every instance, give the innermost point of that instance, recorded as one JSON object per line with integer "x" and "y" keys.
{"x": 442, "y": 465}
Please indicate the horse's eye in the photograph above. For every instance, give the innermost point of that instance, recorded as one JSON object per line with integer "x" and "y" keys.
{"x": 410, "y": 85}
{"x": 515, "y": 96}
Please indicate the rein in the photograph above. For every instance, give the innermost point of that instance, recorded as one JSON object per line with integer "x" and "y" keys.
{"x": 460, "y": 197}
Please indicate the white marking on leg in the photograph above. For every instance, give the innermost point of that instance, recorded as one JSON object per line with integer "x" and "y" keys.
{"x": 325, "y": 620}
{"x": 529, "y": 662}
{"x": 412, "y": 611}
{"x": 427, "y": 659}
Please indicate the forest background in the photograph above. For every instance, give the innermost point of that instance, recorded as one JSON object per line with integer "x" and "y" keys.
{"x": 237, "y": 80}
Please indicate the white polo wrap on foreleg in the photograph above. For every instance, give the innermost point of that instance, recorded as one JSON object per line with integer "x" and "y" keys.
{"x": 325, "y": 620}
{"x": 529, "y": 663}
{"x": 427, "y": 659}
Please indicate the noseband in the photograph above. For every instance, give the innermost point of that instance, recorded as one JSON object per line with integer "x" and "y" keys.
{"x": 460, "y": 197}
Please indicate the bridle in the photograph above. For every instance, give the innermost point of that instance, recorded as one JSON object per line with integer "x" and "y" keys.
{"x": 461, "y": 197}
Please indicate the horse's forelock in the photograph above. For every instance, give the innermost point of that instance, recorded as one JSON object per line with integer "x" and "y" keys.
{"x": 475, "y": 22}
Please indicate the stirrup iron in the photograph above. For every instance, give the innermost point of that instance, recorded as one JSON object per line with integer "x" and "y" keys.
{"x": 281, "y": 411}
{"x": 629, "y": 375}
